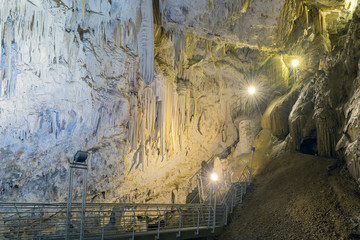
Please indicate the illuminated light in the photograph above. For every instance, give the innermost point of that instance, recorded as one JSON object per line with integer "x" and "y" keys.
{"x": 351, "y": 4}
{"x": 252, "y": 90}
{"x": 295, "y": 63}
{"x": 214, "y": 177}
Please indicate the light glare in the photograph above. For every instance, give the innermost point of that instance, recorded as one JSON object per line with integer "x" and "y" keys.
{"x": 251, "y": 90}
{"x": 214, "y": 177}
{"x": 295, "y": 63}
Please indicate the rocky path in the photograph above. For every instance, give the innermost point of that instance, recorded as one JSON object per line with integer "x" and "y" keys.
{"x": 297, "y": 196}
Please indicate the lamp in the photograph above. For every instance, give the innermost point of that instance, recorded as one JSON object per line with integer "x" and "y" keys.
{"x": 214, "y": 177}
{"x": 80, "y": 156}
{"x": 295, "y": 63}
{"x": 251, "y": 90}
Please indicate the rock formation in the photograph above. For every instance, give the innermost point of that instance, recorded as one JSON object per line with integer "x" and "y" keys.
{"x": 155, "y": 88}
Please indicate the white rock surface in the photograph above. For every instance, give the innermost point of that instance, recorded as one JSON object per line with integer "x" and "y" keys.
{"x": 246, "y": 23}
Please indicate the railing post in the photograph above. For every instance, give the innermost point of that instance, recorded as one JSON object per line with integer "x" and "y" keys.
{"x": 202, "y": 188}
{"x": 83, "y": 206}
{"x": 241, "y": 192}
{"x": 214, "y": 222}
{"x": 103, "y": 223}
{"x": 159, "y": 216}
{"x": 134, "y": 221}
{"x": 226, "y": 213}
{"x": 198, "y": 221}
{"x": 233, "y": 200}
{"x": 252, "y": 160}
{"x": 68, "y": 206}
{"x": 124, "y": 209}
{"x": 19, "y": 221}
{"x": 180, "y": 222}
{"x": 210, "y": 205}
{"x": 146, "y": 219}
{"x": 199, "y": 187}
{"x": 41, "y": 219}
{"x": 165, "y": 217}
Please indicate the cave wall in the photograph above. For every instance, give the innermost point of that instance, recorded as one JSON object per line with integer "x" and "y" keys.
{"x": 64, "y": 80}
{"x": 153, "y": 100}
{"x": 80, "y": 77}
{"x": 324, "y": 37}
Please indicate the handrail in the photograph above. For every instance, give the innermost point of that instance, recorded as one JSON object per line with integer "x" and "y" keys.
{"x": 120, "y": 220}
{"x": 48, "y": 220}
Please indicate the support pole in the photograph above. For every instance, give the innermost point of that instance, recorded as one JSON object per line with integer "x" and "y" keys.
{"x": 211, "y": 186}
{"x": 68, "y": 210}
{"x": 83, "y": 206}
{"x": 214, "y": 222}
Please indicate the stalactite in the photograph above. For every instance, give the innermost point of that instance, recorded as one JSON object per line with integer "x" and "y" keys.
{"x": 83, "y": 9}
{"x": 146, "y": 42}
{"x": 142, "y": 139}
{"x": 182, "y": 120}
{"x": 188, "y": 112}
{"x": 244, "y": 6}
{"x": 161, "y": 125}
{"x": 133, "y": 122}
{"x": 160, "y": 116}
{"x": 174, "y": 119}
{"x": 179, "y": 49}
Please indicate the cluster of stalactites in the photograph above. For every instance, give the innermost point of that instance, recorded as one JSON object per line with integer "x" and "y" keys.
{"x": 39, "y": 36}
{"x": 83, "y": 7}
{"x": 160, "y": 117}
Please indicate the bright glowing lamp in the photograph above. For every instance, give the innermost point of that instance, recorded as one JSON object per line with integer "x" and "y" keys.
{"x": 252, "y": 90}
{"x": 214, "y": 177}
{"x": 295, "y": 63}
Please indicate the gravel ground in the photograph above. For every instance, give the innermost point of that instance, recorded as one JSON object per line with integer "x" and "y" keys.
{"x": 298, "y": 196}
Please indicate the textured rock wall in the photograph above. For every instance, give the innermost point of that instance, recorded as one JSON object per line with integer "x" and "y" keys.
{"x": 82, "y": 77}
{"x": 64, "y": 78}
{"x": 243, "y": 23}
{"x": 324, "y": 37}
{"x": 73, "y": 77}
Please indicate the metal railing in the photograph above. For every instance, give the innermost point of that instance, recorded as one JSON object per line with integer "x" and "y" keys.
{"x": 104, "y": 220}
{"x": 119, "y": 220}
{"x": 48, "y": 221}
{"x": 199, "y": 186}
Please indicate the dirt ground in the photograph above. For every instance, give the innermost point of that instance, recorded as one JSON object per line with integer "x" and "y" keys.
{"x": 298, "y": 196}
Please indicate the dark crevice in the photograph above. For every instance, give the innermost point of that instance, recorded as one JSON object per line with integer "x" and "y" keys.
{"x": 309, "y": 146}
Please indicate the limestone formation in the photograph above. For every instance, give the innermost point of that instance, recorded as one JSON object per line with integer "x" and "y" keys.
{"x": 155, "y": 88}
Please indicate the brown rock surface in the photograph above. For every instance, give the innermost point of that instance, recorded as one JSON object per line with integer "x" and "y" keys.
{"x": 297, "y": 196}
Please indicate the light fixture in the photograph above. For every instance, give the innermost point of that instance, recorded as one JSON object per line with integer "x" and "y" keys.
{"x": 214, "y": 177}
{"x": 80, "y": 156}
{"x": 251, "y": 90}
{"x": 295, "y": 63}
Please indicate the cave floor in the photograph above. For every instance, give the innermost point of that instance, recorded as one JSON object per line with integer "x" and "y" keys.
{"x": 298, "y": 196}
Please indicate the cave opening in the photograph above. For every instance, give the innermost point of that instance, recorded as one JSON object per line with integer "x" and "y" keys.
{"x": 309, "y": 146}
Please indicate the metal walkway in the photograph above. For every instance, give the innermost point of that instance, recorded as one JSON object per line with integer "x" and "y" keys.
{"x": 117, "y": 221}
{"x": 127, "y": 221}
